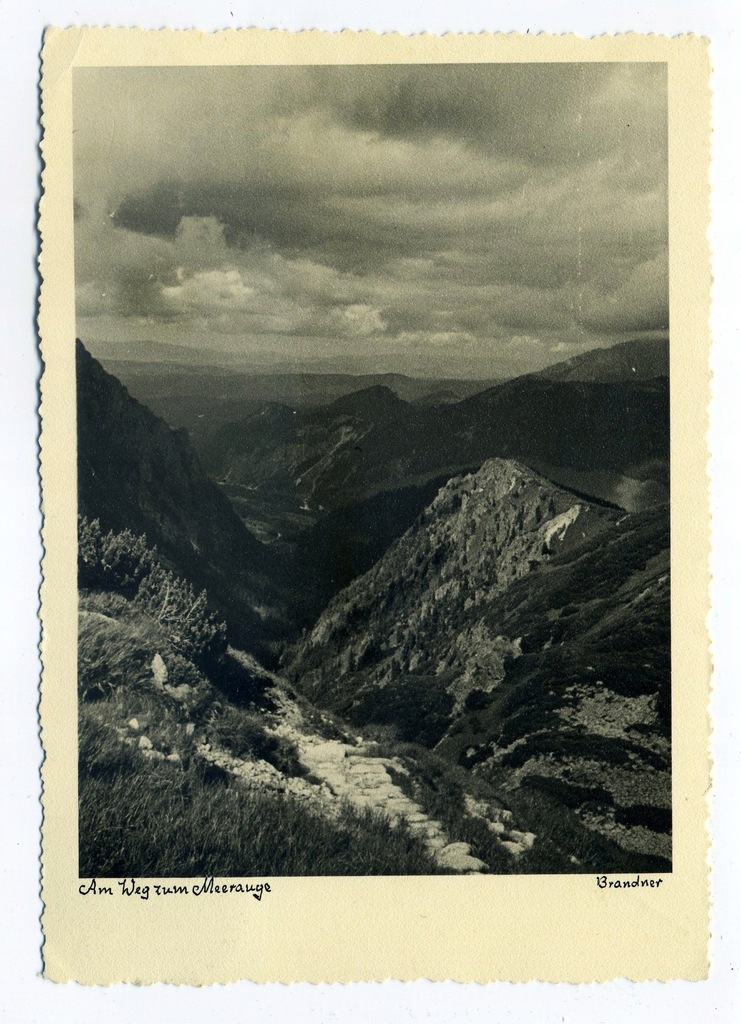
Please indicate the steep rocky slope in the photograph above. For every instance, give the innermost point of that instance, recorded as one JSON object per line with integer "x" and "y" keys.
{"x": 135, "y": 473}
{"x": 523, "y": 632}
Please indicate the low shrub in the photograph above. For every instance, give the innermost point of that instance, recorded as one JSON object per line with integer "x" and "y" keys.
{"x": 659, "y": 819}
{"x": 190, "y": 627}
{"x": 111, "y": 561}
{"x": 122, "y": 563}
{"x": 182, "y": 672}
{"x": 564, "y": 844}
{"x": 608, "y": 749}
{"x": 419, "y": 710}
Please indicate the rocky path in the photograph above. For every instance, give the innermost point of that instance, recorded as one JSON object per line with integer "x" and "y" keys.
{"x": 355, "y": 775}
{"x": 338, "y": 772}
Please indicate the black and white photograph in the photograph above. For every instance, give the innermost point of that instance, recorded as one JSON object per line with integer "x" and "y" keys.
{"x": 373, "y": 470}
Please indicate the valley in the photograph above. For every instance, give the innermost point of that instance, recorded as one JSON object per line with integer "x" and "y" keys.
{"x": 445, "y": 613}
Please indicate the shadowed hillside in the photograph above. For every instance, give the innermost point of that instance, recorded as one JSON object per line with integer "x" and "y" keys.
{"x": 135, "y": 473}
{"x": 629, "y": 360}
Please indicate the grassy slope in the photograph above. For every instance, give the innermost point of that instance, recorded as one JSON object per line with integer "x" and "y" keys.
{"x": 169, "y": 818}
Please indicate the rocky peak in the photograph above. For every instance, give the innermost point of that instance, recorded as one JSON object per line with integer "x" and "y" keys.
{"x": 482, "y": 531}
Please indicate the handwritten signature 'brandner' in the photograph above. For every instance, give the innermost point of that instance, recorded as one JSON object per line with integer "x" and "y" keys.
{"x": 603, "y": 882}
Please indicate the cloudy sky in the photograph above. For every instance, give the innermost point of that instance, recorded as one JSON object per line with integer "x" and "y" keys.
{"x": 471, "y": 220}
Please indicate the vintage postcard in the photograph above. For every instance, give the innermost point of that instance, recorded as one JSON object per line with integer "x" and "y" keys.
{"x": 375, "y": 507}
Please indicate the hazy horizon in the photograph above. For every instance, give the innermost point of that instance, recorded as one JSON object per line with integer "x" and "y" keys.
{"x": 445, "y": 221}
{"x": 179, "y": 358}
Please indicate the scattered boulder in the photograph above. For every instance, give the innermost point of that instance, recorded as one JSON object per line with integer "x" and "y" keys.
{"x": 457, "y": 848}
{"x": 515, "y": 849}
{"x": 525, "y": 839}
{"x": 182, "y": 693}
{"x": 133, "y": 724}
{"x": 159, "y": 670}
{"x": 328, "y": 752}
{"x": 145, "y": 743}
{"x": 457, "y": 857}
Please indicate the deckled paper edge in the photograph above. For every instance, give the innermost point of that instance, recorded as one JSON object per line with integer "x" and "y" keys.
{"x": 57, "y": 409}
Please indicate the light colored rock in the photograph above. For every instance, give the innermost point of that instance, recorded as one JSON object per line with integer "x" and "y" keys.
{"x": 453, "y": 858}
{"x": 174, "y": 758}
{"x": 145, "y": 743}
{"x": 181, "y": 693}
{"x": 159, "y": 670}
{"x": 475, "y": 808}
{"x": 515, "y": 849}
{"x": 327, "y": 753}
{"x": 367, "y": 768}
{"x": 456, "y": 849}
{"x": 133, "y": 724}
{"x": 435, "y": 842}
{"x": 190, "y": 729}
{"x": 525, "y": 839}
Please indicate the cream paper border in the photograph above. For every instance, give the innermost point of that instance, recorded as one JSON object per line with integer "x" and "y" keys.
{"x": 473, "y": 928}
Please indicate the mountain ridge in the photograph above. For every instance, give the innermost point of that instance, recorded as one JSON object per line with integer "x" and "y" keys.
{"x": 524, "y": 634}
{"x": 635, "y": 359}
{"x": 336, "y": 455}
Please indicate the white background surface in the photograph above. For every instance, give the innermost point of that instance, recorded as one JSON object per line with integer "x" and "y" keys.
{"x": 25, "y": 996}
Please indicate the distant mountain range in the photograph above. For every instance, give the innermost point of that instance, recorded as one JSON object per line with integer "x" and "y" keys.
{"x": 524, "y": 633}
{"x": 199, "y": 397}
{"x": 629, "y": 360}
{"x": 609, "y": 438}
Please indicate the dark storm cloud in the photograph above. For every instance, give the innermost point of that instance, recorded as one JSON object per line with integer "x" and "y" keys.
{"x": 536, "y": 113}
{"x": 286, "y": 214}
{"x": 522, "y": 206}
{"x": 292, "y": 219}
